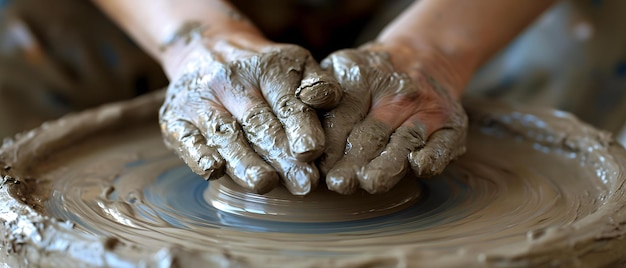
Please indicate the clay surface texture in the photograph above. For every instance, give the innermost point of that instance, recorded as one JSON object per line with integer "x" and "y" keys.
{"x": 535, "y": 188}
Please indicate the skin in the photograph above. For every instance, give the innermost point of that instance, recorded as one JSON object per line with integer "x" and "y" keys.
{"x": 242, "y": 105}
{"x": 404, "y": 90}
{"x": 238, "y": 103}
{"x": 395, "y": 119}
{"x": 241, "y": 111}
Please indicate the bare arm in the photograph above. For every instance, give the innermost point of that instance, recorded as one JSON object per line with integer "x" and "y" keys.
{"x": 155, "y": 24}
{"x": 465, "y": 32}
{"x": 238, "y": 104}
{"x": 404, "y": 112}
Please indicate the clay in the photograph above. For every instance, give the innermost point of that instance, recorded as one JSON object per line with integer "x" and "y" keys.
{"x": 321, "y": 206}
{"x": 381, "y": 176}
{"x": 366, "y": 140}
{"x": 387, "y": 122}
{"x": 535, "y": 188}
{"x": 317, "y": 88}
{"x": 186, "y": 33}
{"x": 254, "y": 106}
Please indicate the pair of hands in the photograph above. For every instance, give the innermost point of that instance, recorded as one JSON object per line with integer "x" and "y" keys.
{"x": 246, "y": 107}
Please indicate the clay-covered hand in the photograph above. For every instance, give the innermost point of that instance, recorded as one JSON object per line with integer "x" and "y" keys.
{"x": 244, "y": 106}
{"x": 398, "y": 111}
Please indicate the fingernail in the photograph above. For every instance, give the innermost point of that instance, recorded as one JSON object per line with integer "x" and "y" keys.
{"x": 306, "y": 148}
{"x": 301, "y": 180}
{"x": 261, "y": 180}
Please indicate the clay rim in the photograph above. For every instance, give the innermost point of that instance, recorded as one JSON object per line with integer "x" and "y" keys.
{"x": 27, "y": 226}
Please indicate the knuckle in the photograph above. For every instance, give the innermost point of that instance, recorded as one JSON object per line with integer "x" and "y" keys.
{"x": 225, "y": 127}
{"x": 256, "y": 114}
{"x": 259, "y": 122}
{"x": 414, "y": 136}
{"x": 219, "y": 127}
{"x": 287, "y": 106}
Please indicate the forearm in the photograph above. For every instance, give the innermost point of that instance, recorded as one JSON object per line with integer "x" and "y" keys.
{"x": 156, "y": 24}
{"x": 466, "y": 33}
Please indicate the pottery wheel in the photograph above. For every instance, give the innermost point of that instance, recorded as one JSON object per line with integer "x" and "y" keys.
{"x": 536, "y": 187}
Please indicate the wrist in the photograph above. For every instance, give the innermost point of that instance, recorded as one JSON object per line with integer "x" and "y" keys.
{"x": 417, "y": 58}
{"x": 211, "y": 44}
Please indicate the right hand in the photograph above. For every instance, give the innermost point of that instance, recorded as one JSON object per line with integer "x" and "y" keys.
{"x": 400, "y": 111}
{"x": 243, "y": 106}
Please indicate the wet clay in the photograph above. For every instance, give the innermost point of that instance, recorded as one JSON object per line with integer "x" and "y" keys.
{"x": 246, "y": 110}
{"x": 322, "y": 205}
{"x": 535, "y": 188}
{"x": 388, "y": 122}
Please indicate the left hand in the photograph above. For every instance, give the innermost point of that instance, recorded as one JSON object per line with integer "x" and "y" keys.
{"x": 242, "y": 105}
{"x": 400, "y": 109}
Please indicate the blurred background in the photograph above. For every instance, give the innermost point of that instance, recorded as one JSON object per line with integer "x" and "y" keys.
{"x": 63, "y": 56}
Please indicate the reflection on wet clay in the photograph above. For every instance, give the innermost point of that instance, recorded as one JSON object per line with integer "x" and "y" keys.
{"x": 538, "y": 189}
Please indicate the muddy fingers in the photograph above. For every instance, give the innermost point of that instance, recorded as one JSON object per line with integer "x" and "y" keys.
{"x": 364, "y": 143}
{"x": 186, "y": 139}
{"x": 337, "y": 126}
{"x": 402, "y": 105}
{"x": 246, "y": 99}
{"x": 391, "y": 165}
{"x": 266, "y": 135}
{"x": 442, "y": 147}
{"x": 281, "y": 75}
{"x": 301, "y": 126}
{"x": 318, "y": 88}
{"x": 338, "y": 123}
{"x": 243, "y": 164}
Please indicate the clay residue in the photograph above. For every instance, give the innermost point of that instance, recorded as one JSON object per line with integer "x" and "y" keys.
{"x": 390, "y": 121}
{"x": 530, "y": 191}
{"x": 247, "y": 110}
{"x": 321, "y": 206}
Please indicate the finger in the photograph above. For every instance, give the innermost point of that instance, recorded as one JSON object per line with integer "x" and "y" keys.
{"x": 318, "y": 88}
{"x": 267, "y": 137}
{"x": 387, "y": 169}
{"x": 337, "y": 126}
{"x": 443, "y": 146}
{"x": 264, "y": 131}
{"x": 266, "y": 134}
{"x": 365, "y": 141}
{"x": 282, "y": 75}
{"x": 299, "y": 178}
{"x": 190, "y": 144}
{"x": 352, "y": 109}
{"x": 222, "y": 132}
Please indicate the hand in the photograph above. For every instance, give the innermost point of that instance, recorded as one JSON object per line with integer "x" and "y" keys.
{"x": 243, "y": 106}
{"x": 399, "y": 109}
